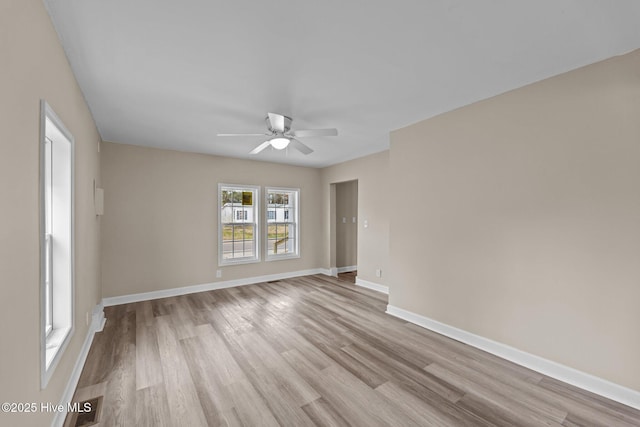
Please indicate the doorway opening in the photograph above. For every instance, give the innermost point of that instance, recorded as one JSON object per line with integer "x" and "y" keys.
{"x": 345, "y": 226}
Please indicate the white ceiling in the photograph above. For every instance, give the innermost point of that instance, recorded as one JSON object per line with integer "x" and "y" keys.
{"x": 173, "y": 74}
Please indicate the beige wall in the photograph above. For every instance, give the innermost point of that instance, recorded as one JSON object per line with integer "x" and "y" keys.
{"x": 160, "y": 224}
{"x": 372, "y": 174}
{"x": 346, "y": 232}
{"x": 529, "y": 207}
{"x": 33, "y": 67}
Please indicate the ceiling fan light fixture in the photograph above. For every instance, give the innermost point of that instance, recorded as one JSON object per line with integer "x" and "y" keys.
{"x": 280, "y": 143}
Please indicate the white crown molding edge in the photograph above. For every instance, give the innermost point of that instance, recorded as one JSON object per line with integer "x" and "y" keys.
{"x": 544, "y": 366}
{"x": 372, "y": 285}
{"x": 347, "y": 269}
{"x": 172, "y": 292}
{"x": 97, "y": 324}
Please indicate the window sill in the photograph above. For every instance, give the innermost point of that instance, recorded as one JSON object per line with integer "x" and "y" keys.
{"x": 281, "y": 257}
{"x": 54, "y": 343}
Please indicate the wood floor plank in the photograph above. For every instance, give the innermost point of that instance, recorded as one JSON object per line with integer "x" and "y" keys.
{"x": 367, "y": 375}
{"x": 469, "y": 352}
{"x": 313, "y": 350}
{"x": 222, "y": 367}
{"x": 356, "y": 402}
{"x": 213, "y": 395}
{"x": 588, "y": 407}
{"x": 251, "y": 408}
{"x": 160, "y": 307}
{"x": 265, "y": 359}
{"x": 148, "y": 367}
{"x": 121, "y": 387}
{"x": 359, "y": 331}
{"x": 402, "y": 372}
{"x": 520, "y": 392}
{"x": 534, "y": 395}
{"x": 504, "y": 405}
{"x": 280, "y": 386}
{"x": 185, "y": 408}
{"x": 283, "y": 337}
{"x": 182, "y": 316}
{"x": 323, "y": 414}
{"x": 430, "y": 411}
{"x": 152, "y": 407}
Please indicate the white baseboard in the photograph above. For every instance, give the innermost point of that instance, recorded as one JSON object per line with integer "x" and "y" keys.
{"x": 97, "y": 323}
{"x": 547, "y": 367}
{"x": 347, "y": 269}
{"x": 371, "y": 285}
{"x": 165, "y": 293}
{"x": 333, "y": 272}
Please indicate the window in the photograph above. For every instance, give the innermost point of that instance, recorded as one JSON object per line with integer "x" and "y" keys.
{"x": 283, "y": 237}
{"x": 238, "y": 228}
{"x": 56, "y": 212}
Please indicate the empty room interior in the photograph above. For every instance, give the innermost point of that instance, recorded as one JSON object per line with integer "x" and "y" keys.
{"x": 320, "y": 213}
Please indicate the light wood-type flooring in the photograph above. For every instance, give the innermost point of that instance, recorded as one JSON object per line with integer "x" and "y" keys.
{"x": 349, "y": 276}
{"x": 311, "y": 351}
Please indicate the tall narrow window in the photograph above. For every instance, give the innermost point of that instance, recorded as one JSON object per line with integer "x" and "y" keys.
{"x": 56, "y": 183}
{"x": 283, "y": 236}
{"x": 238, "y": 228}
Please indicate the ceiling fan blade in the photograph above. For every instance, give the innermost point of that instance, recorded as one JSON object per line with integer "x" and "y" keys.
{"x": 300, "y": 146}
{"x": 276, "y": 121}
{"x": 315, "y": 132}
{"x": 260, "y": 147}
{"x": 242, "y": 134}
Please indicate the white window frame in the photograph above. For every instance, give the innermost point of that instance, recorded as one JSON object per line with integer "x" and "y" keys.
{"x": 295, "y": 221}
{"x": 57, "y": 249}
{"x": 256, "y": 224}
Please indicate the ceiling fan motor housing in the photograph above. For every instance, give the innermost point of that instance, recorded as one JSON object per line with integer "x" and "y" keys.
{"x": 286, "y": 128}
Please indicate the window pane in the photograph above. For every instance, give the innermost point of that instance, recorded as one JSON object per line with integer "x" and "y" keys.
{"x": 281, "y": 219}
{"x": 245, "y": 234}
{"x": 48, "y": 185}
{"x": 238, "y": 228}
{"x": 237, "y": 241}
{"x": 227, "y": 241}
{"x": 247, "y": 198}
{"x": 48, "y": 260}
{"x": 226, "y": 197}
{"x": 290, "y": 246}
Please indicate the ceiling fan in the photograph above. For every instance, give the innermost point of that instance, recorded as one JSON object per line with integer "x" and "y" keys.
{"x": 281, "y": 136}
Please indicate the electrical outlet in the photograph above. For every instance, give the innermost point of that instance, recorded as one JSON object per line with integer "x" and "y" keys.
{"x": 366, "y": 223}
{"x": 344, "y": 220}
{"x": 87, "y": 318}
{"x": 378, "y": 273}
{"x": 218, "y": 274}
{"x": 353, "y": 219}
